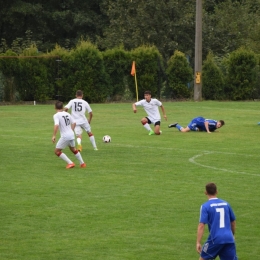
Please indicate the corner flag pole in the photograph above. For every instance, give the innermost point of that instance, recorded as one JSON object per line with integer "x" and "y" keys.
{"x": 133, "y": 73}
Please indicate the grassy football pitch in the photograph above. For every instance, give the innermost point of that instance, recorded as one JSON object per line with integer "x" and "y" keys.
{"x": 140, "y": 195}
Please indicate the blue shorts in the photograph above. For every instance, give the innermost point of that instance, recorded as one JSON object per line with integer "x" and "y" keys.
{"x": 195, "y": 122}
{"x": 224, "y": 251}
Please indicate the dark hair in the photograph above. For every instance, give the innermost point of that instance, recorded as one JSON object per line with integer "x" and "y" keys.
{"x": 211, "y": 188}
{"x": 79, "y": 93}
{"x": 148, "y": 92}
{"x": 59, "y": 105}
{"x": 222, "y": 122}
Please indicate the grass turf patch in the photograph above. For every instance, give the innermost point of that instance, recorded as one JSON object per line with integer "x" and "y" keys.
{"x": 139, "y": 196}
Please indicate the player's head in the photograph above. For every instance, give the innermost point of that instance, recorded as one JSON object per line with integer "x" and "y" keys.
{"x": 58, "y": 105}
{"x": 220, "y": 123}
{"x": 147, "y": 95}
{"x": 211, "y": 189}
{"x": 79, "y": 93}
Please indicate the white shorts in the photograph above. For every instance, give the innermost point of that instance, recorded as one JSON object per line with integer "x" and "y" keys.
{"x": 63, "y": 143}
{"x": 78, "y": 129}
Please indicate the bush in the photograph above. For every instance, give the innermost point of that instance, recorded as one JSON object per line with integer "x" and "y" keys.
{"x": 179, "y": 74}
{"x": 33, "y": 80}
{"x": 241, "y": 74}
{"x": 117, "y": 62}
{"x": 85, "y": 70}
{"x": 148, "y": 67}
{"x": 212, "y": 79}
{"x": 10, "y": 68}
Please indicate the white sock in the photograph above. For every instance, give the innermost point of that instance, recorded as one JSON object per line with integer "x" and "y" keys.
{"x": 147, "y": 127}
{"x": 78, "y": 156}
{"x": 65, "y": 158}
{"x": 92, "y": 140}
{"x": 78, "y": 140}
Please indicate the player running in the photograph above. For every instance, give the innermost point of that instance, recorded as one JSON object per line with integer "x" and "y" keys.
{"x": 64, "y": 123}
{"x": 200, "y": 124}
{"x": 78, "y": 109}
{"x": 151, "y": 105}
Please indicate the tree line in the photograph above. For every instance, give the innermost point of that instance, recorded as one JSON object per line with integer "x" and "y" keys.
{"x": 167, "y": 24}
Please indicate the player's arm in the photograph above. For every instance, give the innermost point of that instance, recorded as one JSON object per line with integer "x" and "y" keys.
{"x": 163, "y": 111}
{"x": 200, "y": 232}
{"x": 55, "y": 130}
{"x": 233, "y": 227}
{"x": 90, "y": 117}
{"x": 73, "y": 125}
{"x": 134, "y": 107}
{"x": 67, "y": 107}
{"x": 206, "y": 123}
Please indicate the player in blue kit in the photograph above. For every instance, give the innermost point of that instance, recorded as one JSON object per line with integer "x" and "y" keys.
{"x": 221, "y": 221}
{"x": 200, "y": 124}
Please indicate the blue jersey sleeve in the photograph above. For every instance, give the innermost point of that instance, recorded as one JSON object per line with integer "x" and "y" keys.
{"x": 212, "y": 124}
{"x": 203, "y": 215}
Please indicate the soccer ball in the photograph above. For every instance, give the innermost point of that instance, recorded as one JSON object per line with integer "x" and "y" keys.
{"x": 106, "y": 139}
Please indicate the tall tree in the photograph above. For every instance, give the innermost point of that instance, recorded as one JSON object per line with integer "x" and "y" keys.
{"x": 231, "y": 25}
{"x": 52, "y": 21}
{"x": 167, "y": 24}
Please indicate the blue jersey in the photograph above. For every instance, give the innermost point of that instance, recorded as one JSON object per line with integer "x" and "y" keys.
{"x": 218, "y": 215}
{"x": 198, "y": 124}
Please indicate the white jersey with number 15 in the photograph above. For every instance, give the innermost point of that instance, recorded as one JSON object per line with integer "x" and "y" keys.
{"x": 78, "y": 109}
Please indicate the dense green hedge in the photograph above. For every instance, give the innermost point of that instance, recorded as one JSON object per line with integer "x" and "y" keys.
{"x": 212, "y": 80}
{"x": 117, "y": 62}
{"x": 179, "y": 75}
{"x": 241, "y": 74}
{"x": 106, "y": 75}
{"x": 148, "y": 65}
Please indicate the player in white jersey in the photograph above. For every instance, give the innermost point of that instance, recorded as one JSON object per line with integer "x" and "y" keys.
{"x": 78, "y": 109}
{"x": 151, "y": 105}
{"x": 64, "y": 122}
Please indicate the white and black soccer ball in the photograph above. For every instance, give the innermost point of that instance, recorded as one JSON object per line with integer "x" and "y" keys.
{"x": 106, "y": 139}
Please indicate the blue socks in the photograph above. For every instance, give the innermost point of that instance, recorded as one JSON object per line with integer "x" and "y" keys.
{"x": 179, "y": 127}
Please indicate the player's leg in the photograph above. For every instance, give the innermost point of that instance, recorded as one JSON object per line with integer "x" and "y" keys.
{"x": 78, "y": 133}
{"x": 146, "y": 123}
{"x": 87, "y": 128}
{"x": 62, "y": 143}
{"x": 185, "y": 129}
{"x": 228, "y": 252}
{"x": 157, "y": 128}
{"x": 92, "y": 140}
{"x": 77, "y": 154}
{"x": 179, "y": 127}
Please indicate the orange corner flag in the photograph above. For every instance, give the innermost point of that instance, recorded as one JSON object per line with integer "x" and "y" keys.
{"x": 133, "y": 69}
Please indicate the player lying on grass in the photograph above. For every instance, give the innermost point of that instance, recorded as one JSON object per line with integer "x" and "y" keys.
{"x": 200, "y": 124}
{"x": 151, "y": 107}
{"x": 64, "y": 122}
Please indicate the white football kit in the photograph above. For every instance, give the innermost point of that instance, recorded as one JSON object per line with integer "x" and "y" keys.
{"x": 151, "y": 109}
{"x": 64, "y": 121}
{"x": 78, "y": 109}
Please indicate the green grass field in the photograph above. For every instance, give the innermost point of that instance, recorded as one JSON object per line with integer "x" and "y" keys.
{"x": 139, "y": 197}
